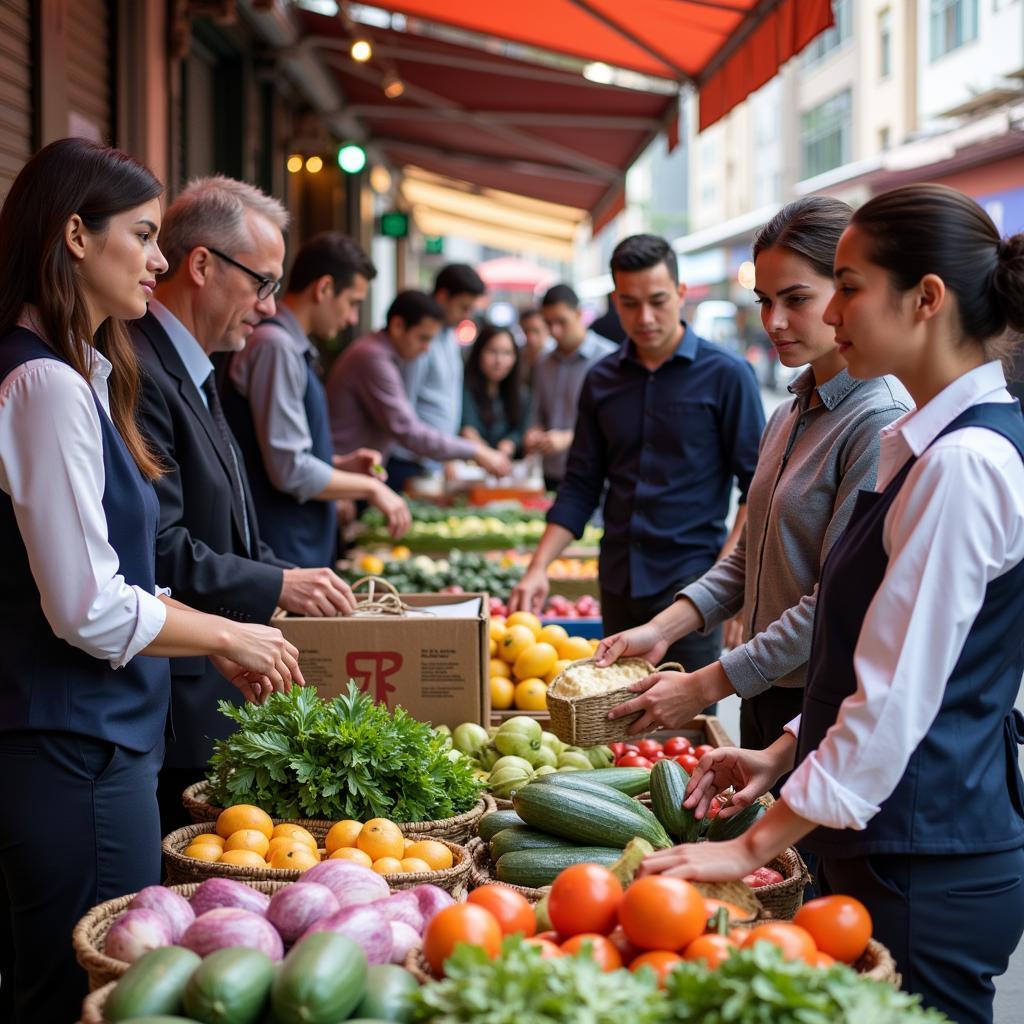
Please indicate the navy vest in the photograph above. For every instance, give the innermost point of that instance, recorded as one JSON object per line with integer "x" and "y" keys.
{"x": 962, "y": 791}
{"x": 45, "y": 683}
{"x": 304, "y": 533}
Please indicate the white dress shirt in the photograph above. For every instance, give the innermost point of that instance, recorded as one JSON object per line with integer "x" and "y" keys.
{"x": 51, "y": 465}
{"x": 956, "y": 525}
{"x": 197, "y": 363}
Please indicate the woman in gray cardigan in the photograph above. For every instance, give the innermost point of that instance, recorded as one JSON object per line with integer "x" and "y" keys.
{"x": 816, "y": 454}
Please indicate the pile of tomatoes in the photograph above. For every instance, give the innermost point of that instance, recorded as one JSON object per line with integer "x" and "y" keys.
{"x": 644, "y": 753}
{"x": 656, "y": 921}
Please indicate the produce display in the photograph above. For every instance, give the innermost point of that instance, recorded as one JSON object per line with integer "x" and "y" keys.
{"x": 297, "y": 756}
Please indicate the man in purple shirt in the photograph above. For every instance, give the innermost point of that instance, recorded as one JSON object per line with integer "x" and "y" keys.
{"x": 367, "y": 398}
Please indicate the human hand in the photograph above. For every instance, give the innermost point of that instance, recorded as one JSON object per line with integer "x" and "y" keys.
{"x": 258, "y": 653}
{"x": 668, "y": 701}
{"x": 644, "y": 641}
{"x": 362, "y": 460}
{"x": 750, "y": 772}
{"x": 532, "y": 440}
{"x": 732, "y": 633}
{"x": 315, "y": 592}
{"x": 556, "y": 441}
{"x": 530, "y": 593}
{"x": 702, "y": 862}
{"x": 496, "y": 463}
{"x": 394, "y": 507}
{"x": 507, "y": 447}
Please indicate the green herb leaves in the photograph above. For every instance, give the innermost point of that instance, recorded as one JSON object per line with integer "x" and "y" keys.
{"x": 300, "y": 757}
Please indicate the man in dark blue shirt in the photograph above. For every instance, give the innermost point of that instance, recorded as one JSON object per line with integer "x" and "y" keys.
{"x": 670, "y": 421}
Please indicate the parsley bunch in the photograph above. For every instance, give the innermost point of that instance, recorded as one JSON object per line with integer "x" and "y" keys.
{"x": 297, "y": 756}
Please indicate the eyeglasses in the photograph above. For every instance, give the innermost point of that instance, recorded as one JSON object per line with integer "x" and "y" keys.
{"x": 266, "y": 286}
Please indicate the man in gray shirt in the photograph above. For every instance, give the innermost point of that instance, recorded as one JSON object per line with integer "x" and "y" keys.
{"x": 434, "y": 382}
{"x": 275, "y": 402}
{"x": 558, "y": 379}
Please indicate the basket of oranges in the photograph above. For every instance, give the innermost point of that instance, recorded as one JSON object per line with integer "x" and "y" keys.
{"x": 246, "y": 844}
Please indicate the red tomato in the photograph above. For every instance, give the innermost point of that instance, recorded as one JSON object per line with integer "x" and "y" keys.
{"x": 510, "y": 908}
{"x": 736, "y": 913}
{"x": 658, "y": 755}
{"x": 553, "y": 937}
{"x": 677, "y": 745}
{"x": 548, "y": 950}
{"x": 714, "y": 808}
{"x": 626, "y": 949}
{"x": 795, "y": 942}
{"x": 688, "y": 761}
{"x": 704, "y": 748}
{"x": 598, "y": 947}
{"x": 839, "y": 925}
{"x": 823, "y": 960}
{"x": 659, "y": 912}
{"x": 462, "y": 922}
{"x": 632, "y": 761}
{"x": 649, "y": 747}
{"x": 617, "y": 749}
{"x": 584, "y": 898}
{"x": 714, "y": 949}
{"x": 661, "y": 960}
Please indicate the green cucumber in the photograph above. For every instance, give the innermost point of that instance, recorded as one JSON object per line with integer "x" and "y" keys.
{"x": 668, "y": 790}
{"x": 153, "y": 986}
{"x": 491, "y": 824}
{"x": 631, "y": 781}
{"x": 534, "y": 868}
{"x": 387, "y": 994}
{"x": 587, "y": 784}
{"x": 722, "y": 829}
{"x": 163, "y": 1018}
{"x": 520, "y": 837}
{"x": 321, "y": 980}
{"x": 230, "y": 986}
{"x": 587, "y": 818}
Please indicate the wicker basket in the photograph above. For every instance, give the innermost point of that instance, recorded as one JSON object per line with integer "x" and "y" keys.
{"x": 584, "y": 721}
{"x": 92, "y": 1006}
{"x": 783, "y": 899}
{"x": 182, "y": 869}
{"x": 482, "y": 867}
{"x": 877, "y": 963}
{"x": 459, "y": 829}
{"x": 416, "y": 964}
{"x": 90, "y": 933}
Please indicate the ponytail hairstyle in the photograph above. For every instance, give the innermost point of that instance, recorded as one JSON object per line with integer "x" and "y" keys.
{"x": 810, "y": 228}
{"x": 64, "y": 178}
{"x": 932, "y": 229}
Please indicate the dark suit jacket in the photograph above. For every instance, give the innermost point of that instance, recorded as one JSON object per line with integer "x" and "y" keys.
{"x": 201, "y": 553}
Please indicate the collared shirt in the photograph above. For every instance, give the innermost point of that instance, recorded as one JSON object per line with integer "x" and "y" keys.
{"x": 670, "y": 443}
{"x": 51, "y": 465}
{"x": 813, "y": 462}
{"x": 557, "y": 381}
{"x": 197, "y": 363}
{"x": 956, "y": 525}
{"x": 369, "y": 406}
{"x": 271, "y": 374}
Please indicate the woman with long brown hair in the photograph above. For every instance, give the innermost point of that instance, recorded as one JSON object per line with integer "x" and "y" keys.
{"x": 85, "y": 630}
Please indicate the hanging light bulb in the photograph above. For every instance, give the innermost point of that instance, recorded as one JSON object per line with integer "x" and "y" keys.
{"x": 393, "y": 85}
{"x": 315, "y": 164}
{"x": 361, "y": 50}
{"x": 294, "y": 163}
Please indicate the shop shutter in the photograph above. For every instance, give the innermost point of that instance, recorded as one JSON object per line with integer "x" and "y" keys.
{"x": 90, "y": 69}
{"x": 15, "y": 89}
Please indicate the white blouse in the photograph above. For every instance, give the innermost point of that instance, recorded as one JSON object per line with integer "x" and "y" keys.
{"x": 51, "y": 465}
{"x": 956, "y": 525}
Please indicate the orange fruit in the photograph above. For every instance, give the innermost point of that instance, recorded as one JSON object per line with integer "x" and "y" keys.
{"x": 462, "y": 922}
{"x": 294, "y": 832}
{"x": 660, "y": 960}
{"x": 381, "y": 838}
{"x": 414, "y": 866}
{"x": 283, "y": 843}
{"x": 342, "y": 833}
{"x": 492, "y": 649}
{"x": 409, "y": 842}
{"x": 204, "y": 851}
{"x": 572, "y": 648}
{"x": 209, "y": 837}
{"x": 500, "y": 669}
{"x": 527, "y": 619}
{"x": 536, "y": 660}
{"x": 248, "y": 839}
{"x": 242, "y": 858}
{"x": 437, "y": 855}
{"x": 298, "y": 857}
{"x": 552, "y": 634}
{"x": 514, "y": 642}
{"x": 556, "y": 670}
{"x": 660, "y": 912}
{"x": 531, "y": 695}
{"x": 503, "y": 693}
{"x": 352, "y": 854}
{"x": 497, "y": 630}
{"x": 388, "y": 866}
{"x": 232, "y": 819}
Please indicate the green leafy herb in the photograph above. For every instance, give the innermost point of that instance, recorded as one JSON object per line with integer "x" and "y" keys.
{"x": 300, "y": 757}
{"x": 521, "y": 988}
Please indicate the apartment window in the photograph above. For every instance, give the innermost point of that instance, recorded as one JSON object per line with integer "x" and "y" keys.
{"x": 885, "y": 42}
{"x": 826, "y": 131}
{"x": 831, "y": 39}
{"x": 953, "y": 23}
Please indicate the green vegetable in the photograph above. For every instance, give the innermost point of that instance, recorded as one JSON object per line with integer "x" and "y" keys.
{"x": 496, "y": 821}
{"x": 503, "y": 782}
{"x": 230, "y": 986}
{"x": 721, "y": 828}
{"x": 322, "y": 980}
{"x": 153, "y": 985}
{"x": 600, "y": 757}
{"x": 297, "y": 756}
{"x": 519, "y": 737}
{"x": 575, "y": 760}
{"x": 537, "y": 867}
{"x": 470, "y": 738}
{"x": 757, "y": 986}
{"x": 387, "y": 994}
{"x": 520, "y": 988}
{"x": 522, "y": 838}
{"x": 668, "y": 789}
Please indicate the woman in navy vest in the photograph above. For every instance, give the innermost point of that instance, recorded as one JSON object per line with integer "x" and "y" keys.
{"x": 85, "y": 631}
{"x": 906, "y": 779}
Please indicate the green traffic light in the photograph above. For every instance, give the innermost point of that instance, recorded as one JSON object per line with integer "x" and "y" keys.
{"x": 351, "y": 158}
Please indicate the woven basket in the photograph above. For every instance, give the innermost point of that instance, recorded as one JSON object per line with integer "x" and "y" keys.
{"x": 92, "y": 1006}
{"x": 182, "y": 869}
{"x": 90, "y": 933}
{"x": 416, "y": 964}
{"x": 458, "y": 829}
{"x": 584, "y": 721}
{"x": 877, "y": 963}
{"x": 783, "y": 899}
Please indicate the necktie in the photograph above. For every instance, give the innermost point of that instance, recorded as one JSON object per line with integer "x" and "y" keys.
{"x": 217, "y": 412}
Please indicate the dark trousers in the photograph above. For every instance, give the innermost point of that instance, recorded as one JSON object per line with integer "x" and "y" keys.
{"x": 172, "y": 783}
{"x": 951, "y": 923}
{"x": 692, "y": 652}
{"x": 400, "y": 471}
{"x": 79, "y": 826}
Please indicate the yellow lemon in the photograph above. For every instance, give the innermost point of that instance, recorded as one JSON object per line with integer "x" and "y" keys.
{"x": 500, "y": 668}
{"x": 514, "y": 642}
{"x": 498, "y": 629}
{"x": 552, "y": 634}
{"x": 371, "y": 565}
{"x": 503, "y": 692}
{"x": 342, "y": 833}
{"x": 573, "y": 648}
{"x": 531, "y": 695}
{"x": 400, "y": 553}
{"x": 535, "y": 661}
{"x": 527, "y": 619}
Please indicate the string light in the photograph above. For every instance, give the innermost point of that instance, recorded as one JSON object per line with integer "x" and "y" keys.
{"x": 295, "y": 162}
{"x": 361, "y": 50}
{"x": 314, "y": 165}
{"x": 393, "y": 85}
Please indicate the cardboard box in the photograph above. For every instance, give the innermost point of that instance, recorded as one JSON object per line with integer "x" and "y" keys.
{"x": 434, "y": 666}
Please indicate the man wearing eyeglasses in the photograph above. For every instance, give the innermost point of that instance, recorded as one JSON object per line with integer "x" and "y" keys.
{"x": 225, "y": 260}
